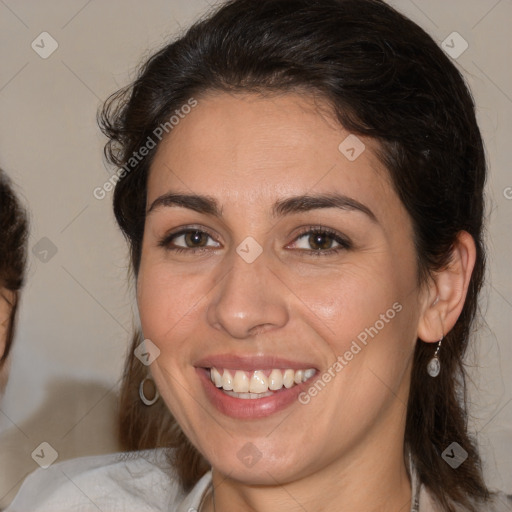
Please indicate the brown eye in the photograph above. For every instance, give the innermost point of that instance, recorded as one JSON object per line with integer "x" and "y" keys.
{"x": 320, "y": 241}
{"x": 195, "y": 239}
{"x": 189, "y": 240}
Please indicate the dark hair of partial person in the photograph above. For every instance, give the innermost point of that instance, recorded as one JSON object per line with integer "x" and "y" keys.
{"x": 13, "y": 243}
{"x": 384, "y": 78}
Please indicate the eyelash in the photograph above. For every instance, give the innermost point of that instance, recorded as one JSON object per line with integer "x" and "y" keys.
{"x": 344, "y": 243}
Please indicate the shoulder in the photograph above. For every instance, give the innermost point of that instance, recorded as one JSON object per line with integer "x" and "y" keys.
{"x": 122, "y": 482}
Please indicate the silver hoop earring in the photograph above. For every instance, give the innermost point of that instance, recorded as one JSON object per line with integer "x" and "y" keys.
{"x": 147, "y": 401}
{"x": 434, "y": 365}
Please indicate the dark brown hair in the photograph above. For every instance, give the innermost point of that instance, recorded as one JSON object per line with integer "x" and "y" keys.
{"x": 13, "y": 248}
{"x": 384, "y": 78}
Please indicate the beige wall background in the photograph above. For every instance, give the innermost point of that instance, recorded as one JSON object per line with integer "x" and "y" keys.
{"x": 77, "y": 307}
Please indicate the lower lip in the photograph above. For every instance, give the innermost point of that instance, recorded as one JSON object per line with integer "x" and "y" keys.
{"x": 250, "y": 408}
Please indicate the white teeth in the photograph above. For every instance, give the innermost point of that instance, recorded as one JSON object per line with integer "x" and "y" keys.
{"x": 309, "y": 373}
{"x": 288, "y": 378}
{"x": 217, "y": 379}
{"x": 275, "y": 380}
{"x": 241, "y": 382}
{"x": 256, "y": 384}
{"x": 227, "y": 381}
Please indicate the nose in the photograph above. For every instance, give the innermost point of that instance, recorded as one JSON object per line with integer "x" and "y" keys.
{"x": 249, "y": 300}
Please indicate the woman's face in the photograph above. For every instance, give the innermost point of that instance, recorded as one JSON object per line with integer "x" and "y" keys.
{"x": 272, "y": 243}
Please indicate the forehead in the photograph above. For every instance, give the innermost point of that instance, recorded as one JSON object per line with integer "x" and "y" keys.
{"x": 249, "y": 149}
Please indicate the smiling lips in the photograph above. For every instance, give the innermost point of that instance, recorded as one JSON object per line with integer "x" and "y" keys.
{"x": 253, "y": 386}
{"x": 257, "y": 383}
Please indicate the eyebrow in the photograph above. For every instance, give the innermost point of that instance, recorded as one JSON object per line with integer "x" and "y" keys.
{"x": 295, "y": 204}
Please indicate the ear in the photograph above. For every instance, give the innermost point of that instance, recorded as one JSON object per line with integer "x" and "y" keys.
{"x": 446, "y": 292}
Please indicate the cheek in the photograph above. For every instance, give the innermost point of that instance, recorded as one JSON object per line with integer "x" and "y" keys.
{"x": 168, "y": 301}
{"x": 350, "y": 298}
{"x": 153, "y": 300}
{"x": 366, "y": 315}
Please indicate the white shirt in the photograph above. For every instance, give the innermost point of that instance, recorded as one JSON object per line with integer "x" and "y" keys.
{"x": 141, "y": 482}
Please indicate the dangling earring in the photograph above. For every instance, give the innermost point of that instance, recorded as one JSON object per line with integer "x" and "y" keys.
{"x": 434, "y": 365}
{"x": 147, "y": 401}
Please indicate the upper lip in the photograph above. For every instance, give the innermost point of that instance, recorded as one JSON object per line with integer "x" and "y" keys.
{"x": 250, "y": 363}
